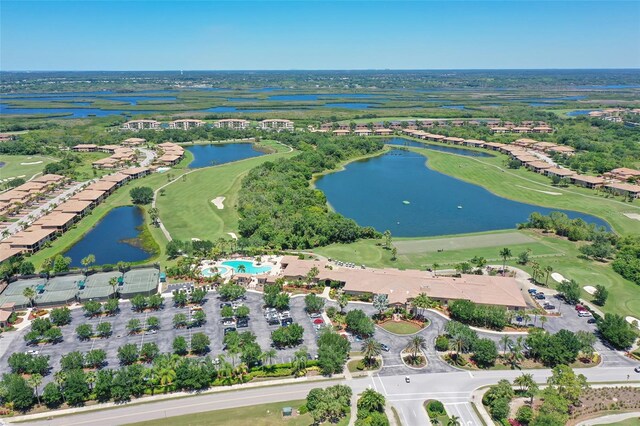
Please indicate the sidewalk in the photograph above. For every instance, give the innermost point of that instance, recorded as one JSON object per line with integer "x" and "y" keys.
{"x": 173, "y": 395}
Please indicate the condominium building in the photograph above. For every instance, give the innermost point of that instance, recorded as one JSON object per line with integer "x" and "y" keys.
{"x": 277, "y": 124}
{"x": 231, "y": 123}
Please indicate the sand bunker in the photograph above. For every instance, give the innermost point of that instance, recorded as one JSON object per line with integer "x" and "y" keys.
{"x": 31, "y": 164}
{"x": 631, "y": 320}
{"x": 218, "y": 202}
{"x": 590, "y": 289}
{"x": 635, "y": 216}
{"x": 558, "y": 277}
{"x": 539, "y": 190}
{"x": 233, "y": 235}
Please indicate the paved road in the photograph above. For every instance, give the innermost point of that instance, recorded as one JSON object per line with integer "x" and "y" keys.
{"x": 41, "y": 211}
{"x": 149, "y": 155}
{"x": 453, "y": 389}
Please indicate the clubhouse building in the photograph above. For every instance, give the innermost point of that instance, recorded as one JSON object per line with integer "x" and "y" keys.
{"x": 402, "y": 286}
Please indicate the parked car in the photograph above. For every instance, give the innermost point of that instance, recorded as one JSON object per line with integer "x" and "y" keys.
{"x": 273, "y": 321}
{"x": 318, "y": 321}
{"x": 540, "y": 296}
{"x": 549, "y": 307}
{"x": 580, "y": 308}
{"x": 229, "y": 330}
{"x": 584, "y": 314}
{"x": 384, "y": 347}
{"x": 315, "y": 315}
{"x": 242, "y": 323}
{"x": 532, "y": 291}
{"x": 286, "y": 321}
{"x": 637, "y": 369}
{"x": 32, "y": 352}
{"x": 228, "y": 321}
{"x": 591, "y": 320}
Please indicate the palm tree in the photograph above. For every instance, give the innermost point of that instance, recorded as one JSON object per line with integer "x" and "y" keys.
{"x": 548, "y": 269}
{"x": 113, "y": 282}
{"x": 299, "y": 363}
{"x": 457, "y": 343}
{"x": 505, "y": 254}
{"x": 166, "y": 376}
{"x": 543, "y": 321}
{"x": 269, "y": 356}
{"x": 435, "y": 267}
{"x": 453, "y": 421}
{"x": 527, "y": 385}
{"x": 241, "y": 269}
{"x": 421, "y": 302}
{"x": 515, "y": 354}
{"x": 35, "y": 381}
{"x": 535, "y": 271}
{"x": 505, "y": 341}
{"x": 416, "y": 344}
{"x": 88, "y": 261}
{"x": 91, "y": 378}
{"x": 343, "y": 301}
{"x": 30, "y": 294}
{"x": 380, "y": 302}
{"x": 370, "y": 349}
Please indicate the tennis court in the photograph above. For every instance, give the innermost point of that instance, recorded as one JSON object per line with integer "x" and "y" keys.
{"x": 69, "y": 288}
{"x": 140, "y": 281}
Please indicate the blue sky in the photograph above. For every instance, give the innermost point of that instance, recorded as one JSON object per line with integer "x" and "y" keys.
{"x": 237, "y": 35}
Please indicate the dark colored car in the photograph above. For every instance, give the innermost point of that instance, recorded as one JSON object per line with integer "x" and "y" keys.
{"x": 591, "y": 321}
{"x": 384, "y": 347}
{"x": 229, "y": 330}
{"x": 222, "y": 305}
{"x": 242, "y": 323}
{"x": 540, "y": 296}
{"x": 287, "y": 321}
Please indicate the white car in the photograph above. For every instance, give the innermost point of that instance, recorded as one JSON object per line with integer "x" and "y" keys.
{"x": 32, "y": 352}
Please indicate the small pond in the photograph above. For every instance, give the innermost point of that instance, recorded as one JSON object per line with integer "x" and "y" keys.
{"x": 397, "y": 191}
{"x": 112, "y": 240}
{"x": 212, "y": 155}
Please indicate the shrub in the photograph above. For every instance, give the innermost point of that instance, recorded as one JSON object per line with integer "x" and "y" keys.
{"x": 442, "y": 343}
{"x": 524, "y": 414}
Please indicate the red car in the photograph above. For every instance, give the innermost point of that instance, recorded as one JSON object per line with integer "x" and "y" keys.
{"x": 318, "y": 321}
{"x": 580, "y": 308}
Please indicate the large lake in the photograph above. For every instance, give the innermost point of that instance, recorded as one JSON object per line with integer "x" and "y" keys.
{"x": 212, "y": 155}
{"x": 373, "y": 191}
{"x": 107, "y": 241}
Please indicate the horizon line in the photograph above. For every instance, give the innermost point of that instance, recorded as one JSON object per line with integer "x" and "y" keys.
{"x": 328, "y": 69}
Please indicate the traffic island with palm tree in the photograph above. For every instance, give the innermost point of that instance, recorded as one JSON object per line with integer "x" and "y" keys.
{"x": 371, "y": 360}
{"x": 412, "y": 355}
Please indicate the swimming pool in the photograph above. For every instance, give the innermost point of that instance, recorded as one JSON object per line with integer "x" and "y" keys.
{"x": 249, "y": 267}
{"x": 209, "y": 272}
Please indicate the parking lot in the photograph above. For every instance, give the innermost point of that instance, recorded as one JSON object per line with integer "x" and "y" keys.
{"x": 164, "y": 337}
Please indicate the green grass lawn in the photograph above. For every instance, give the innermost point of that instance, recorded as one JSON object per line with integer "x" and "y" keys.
{"x": 255, "y": 415}
{"x": 186, "y": 208}
{"x": 24, "y": 166}
{"x": 371, "y": 252}
{"x": 401, "y": 327}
